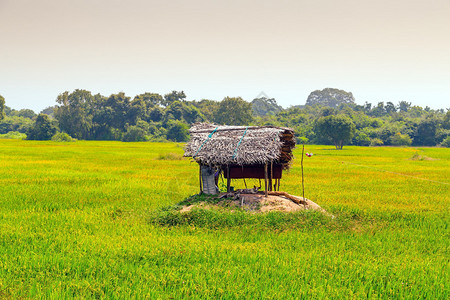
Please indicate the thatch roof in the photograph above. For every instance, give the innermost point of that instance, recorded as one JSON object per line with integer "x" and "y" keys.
{"x": 240, "y": 145}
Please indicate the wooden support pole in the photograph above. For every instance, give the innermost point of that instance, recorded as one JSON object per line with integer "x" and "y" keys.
{"x": 271, "y": 176}
{"x": 303, "y": 181}
{"x": 265, "y": 179}
{"x": 200, "y": 178}
{"x": 228, "y": 179}
{"x": 278, "y": 188}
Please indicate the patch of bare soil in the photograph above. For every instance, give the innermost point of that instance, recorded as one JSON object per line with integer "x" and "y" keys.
{"x": 257, "y": 202}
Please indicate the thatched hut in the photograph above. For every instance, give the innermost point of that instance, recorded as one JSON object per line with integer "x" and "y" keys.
{"x": 261, "y": 152}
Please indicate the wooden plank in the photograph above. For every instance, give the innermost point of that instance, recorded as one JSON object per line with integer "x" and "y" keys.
{"x": 253, "y": 171}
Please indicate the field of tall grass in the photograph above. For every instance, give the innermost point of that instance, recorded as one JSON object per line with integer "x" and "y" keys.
{"x": 83, "y": 220}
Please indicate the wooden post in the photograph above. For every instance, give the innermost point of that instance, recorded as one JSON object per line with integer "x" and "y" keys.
{"x": 228, "y": 179}
{"x": 278, "y": 187}
{"x": 265, "y": 179}
{"x": 271, "y": 176}
{"x": 200, "y": 178}
{"x": 303, "y": 182}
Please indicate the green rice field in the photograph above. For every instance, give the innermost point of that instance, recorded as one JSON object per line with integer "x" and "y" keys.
{"x": 88, "y": 220}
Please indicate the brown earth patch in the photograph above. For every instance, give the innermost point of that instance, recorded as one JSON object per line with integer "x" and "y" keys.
{"x": 256, "y": 202}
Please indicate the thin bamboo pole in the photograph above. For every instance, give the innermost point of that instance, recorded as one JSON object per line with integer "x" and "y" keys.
{"x": 265, "y": 180}
{"x": 271, "y": 176}
{"x": 228, "y": 179}
{"x": 200, "y": 178}
{"x": 303, "y": 181}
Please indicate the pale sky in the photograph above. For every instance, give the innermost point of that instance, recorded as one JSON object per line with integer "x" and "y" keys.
{"x": 385, "y": 50}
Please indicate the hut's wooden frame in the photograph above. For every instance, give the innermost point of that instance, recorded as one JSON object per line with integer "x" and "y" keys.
{"x": 222, "y": 146}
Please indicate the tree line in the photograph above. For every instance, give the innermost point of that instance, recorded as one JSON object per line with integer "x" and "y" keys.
{"x": 330, "y": 116}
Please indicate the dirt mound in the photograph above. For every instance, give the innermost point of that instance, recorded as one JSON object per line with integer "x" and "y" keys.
{"x": 257, "y": 202}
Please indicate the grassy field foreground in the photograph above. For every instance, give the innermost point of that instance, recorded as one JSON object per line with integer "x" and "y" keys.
{"x": 78, "y": 220}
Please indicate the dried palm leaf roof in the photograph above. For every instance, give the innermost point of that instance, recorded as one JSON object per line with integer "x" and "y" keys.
{"x": 240, "y": 145}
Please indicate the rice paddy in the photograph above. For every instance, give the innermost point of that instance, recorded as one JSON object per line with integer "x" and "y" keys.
{"x": 87, "y": 220}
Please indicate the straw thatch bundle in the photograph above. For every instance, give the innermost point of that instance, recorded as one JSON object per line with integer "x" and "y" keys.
{"x": 240, "y": 145}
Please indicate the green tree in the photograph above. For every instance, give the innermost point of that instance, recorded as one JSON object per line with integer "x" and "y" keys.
{"x": 73, "y": 113}
{"x": 400, "y": 139}
{"x": 26, "y": 113}
{"x": 42, "y": 129}
{"x": 174, "y": 96}
{"x": 207, "y": 107}
{"x": 142, "y": 105}
{"x": 330, "y": 97}
{"x": 379, "y": 110}
{"x": 390, "y": 108}
{"x": 446, "y": 142}
{"x": 116, "y": 111}
{"x": 151, "y": 99}
{"x": 2, "y": 107}
{"x": 19, "y": 124}
{"x": 177, "y": 132}
{"x": 136, "y": 133}
{"x": 156, "y": 114}
{"x": 338, "y": 129}
{"x": 362, "y": 139}
{"x": 234, "y": 111}
{"x": 446, "y": 121}
{"x": 425, "y": 134}
{"x": 191, "y": 114}
{"x": 404, "y": 106}
{"x": 62, "y": 137}
{"x": 174, "y": 111}
{"x": 265, "y": 106}
{"x": 50, "y": 110}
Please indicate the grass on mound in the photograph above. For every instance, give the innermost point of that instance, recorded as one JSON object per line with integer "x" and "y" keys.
{"x": 214, "y": 213}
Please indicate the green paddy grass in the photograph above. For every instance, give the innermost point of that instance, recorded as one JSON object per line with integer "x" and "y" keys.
{"x": 83, "y": 220}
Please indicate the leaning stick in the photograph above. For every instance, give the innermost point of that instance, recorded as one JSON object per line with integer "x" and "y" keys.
{"x": 290, "y": 197}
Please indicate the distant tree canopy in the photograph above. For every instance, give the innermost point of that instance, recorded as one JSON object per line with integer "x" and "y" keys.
{"x": 153, "y": 117}
{"x": 339, "y": 129}
{"x": 425, "y": 133}
{"x": 73, "y": 113}
{"x": 265, "y": 106}
{"x": 330, "y": 97}
{"x": 234, "y": 111}
{"x": 172, "y": 97}
{"x": 177, "y": 132}
{"x": 42, "y": 129}
{"x": 50, "y": 110}
{"x": 207, "y": 108}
